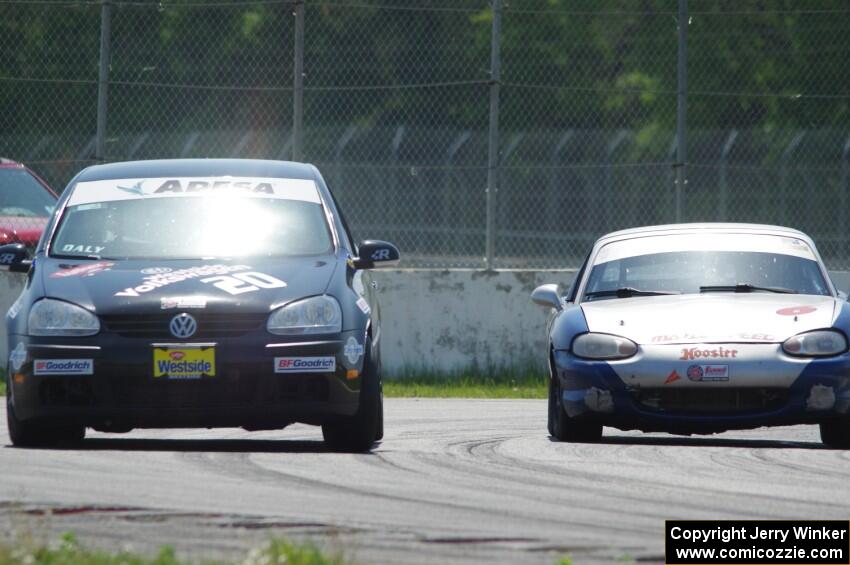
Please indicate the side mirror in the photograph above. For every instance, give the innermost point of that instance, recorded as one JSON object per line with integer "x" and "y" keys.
{"x": 374, "y": 253}
{"x": 15, "y": 258}
{"x": 547, "y": 295}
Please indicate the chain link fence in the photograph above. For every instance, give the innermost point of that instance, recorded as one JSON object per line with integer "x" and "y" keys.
{"x": 398, "y": 110}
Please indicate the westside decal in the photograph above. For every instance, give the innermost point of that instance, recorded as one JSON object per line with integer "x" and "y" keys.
{"x": 153, "y": 282}
{"x": 83, "y": 270}
{"x": 304, "y": 364}
{"x": 689, "y": 354}
{"x": 63, "y": 367}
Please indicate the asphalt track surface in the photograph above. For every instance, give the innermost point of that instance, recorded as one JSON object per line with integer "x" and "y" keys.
{"x": 454, "y": 481}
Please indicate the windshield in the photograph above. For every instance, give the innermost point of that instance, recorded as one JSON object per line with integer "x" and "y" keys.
{"x": 22, "y": 195}
{"x": 715, "y": 263}
{"x": 163, "y": 219}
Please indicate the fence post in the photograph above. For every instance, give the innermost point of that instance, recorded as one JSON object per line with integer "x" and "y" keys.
{"x": 493, "y": 152}
{"x": 103, "y": 80}
{"x": 298, "y": 86}
{"x": 842, "y": 204}
{"x": 682, "y": 108}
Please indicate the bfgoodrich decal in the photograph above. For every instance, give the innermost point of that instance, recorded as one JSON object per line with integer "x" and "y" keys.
{"x": 63, "y": 367}
{"x": 304, "y": 364}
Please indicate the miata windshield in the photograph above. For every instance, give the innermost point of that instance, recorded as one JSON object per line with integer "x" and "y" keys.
{"x": 689, "y": 264}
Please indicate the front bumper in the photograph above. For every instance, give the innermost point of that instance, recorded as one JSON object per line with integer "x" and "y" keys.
{"x": 667, "y": 388}
{"x": 121, "y": 391}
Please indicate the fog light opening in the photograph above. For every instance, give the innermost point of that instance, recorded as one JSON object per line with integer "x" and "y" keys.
{"x": 821, "y": 397}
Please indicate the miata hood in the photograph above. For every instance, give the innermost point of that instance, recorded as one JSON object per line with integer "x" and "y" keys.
{"x": 714, "y": 317}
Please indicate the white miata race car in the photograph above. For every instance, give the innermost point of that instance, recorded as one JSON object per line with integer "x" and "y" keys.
{"x": 699, "y": 328}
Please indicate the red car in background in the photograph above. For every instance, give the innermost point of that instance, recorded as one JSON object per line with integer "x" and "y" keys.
{"x": 26, "y": 203}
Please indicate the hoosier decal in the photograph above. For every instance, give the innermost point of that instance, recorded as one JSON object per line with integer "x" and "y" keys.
{"x": 691, "y": 353}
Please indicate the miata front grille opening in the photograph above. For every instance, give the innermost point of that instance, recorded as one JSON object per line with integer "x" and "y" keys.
{"x": 711, "y": 400}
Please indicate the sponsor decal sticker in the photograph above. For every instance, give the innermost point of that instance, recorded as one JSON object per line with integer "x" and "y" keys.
{"x": 183, "y": 302}
{"x": 673, "y": 338}
{"x": 304, "y": 364}
{"x": 353, "y": 350}
{"x": 363, "y": 305}
{"x": 15, "y": 307}
{"x": 672, "y": 377}
{"x": 87, "y": 249}
{"x": 691, "y": 353}
{"x": 153, "y": 282}
{"x": 164, "y": 187}
{"x": 708, "y": 373}
{"x": 156, "y": 270}
{"x": 82, "y": 270}
{"x": 183, "y": 363}
{"x": 18, "y": 356}
{"x": 796, "y": 310}
{"x": 63, "y": 367}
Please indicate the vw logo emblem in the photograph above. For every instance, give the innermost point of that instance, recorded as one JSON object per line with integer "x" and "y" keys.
{"x": 183, "y": 325}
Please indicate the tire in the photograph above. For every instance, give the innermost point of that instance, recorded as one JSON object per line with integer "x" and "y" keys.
{"x": 39, "y": 434}
{"x": 564, "y": 428}
{"x": 358, "y": 433}
{"x": 836, "y": 433}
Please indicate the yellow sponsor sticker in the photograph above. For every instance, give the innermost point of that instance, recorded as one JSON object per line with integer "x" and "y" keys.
{"x": 183, "y": 363}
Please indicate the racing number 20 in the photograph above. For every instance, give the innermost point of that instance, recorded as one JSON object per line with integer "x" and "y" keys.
{"x": 238, "y": 283}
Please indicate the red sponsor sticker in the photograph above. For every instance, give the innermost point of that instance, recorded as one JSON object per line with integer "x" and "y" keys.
{"x": 796, "y": 310}
{"x": 177, "y": 355}
{"x": 83, "y": 270}
{"x": 672, "y": 377}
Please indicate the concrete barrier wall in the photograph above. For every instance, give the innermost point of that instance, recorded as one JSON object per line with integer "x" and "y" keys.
{"x": 446, "y": 320}
{"x": 451, "y": 320}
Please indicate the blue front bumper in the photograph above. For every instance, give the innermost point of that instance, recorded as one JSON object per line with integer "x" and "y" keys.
{"x": 594, "y": 390}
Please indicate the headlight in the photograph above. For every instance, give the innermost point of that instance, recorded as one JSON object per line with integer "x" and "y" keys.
{"x": 54, "y": 317}
{"x": 820, "y": 343}
{"x": 603, "y": 346}
{"x": 316, "y": 315}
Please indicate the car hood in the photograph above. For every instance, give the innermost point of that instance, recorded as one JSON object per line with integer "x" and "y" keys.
{"x": 715, "y": 317}
{"x": 127, "y": 287}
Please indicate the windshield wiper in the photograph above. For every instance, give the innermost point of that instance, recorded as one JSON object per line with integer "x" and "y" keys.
{"x": 746, "y": 287}
{"x": 626, "y": 292}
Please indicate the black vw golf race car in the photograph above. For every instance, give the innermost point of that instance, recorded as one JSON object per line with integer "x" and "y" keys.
{"x": 196, "y": 293}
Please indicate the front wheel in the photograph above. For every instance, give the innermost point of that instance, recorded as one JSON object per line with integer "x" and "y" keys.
{"x": 358, "y": 433}
{"x": 836, "y": 433}
{"x": 39, "y": 434}
{"x": 564, "y": 428}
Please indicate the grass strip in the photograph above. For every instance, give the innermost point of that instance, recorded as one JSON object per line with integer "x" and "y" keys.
{"x": 526, "y": 384}
{"x": 68, "y": 551}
